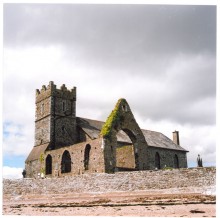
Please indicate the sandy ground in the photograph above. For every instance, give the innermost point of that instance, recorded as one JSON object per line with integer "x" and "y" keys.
{"x": 113, "y": 204}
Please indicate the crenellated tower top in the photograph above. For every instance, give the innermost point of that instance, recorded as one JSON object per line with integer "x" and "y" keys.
{"x": 51, "y": 90}
{"x": 55, "y": 117}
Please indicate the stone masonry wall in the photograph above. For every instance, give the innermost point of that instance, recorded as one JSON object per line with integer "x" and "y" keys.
{"x": 125, "y": 156}
{"x": 166, "y": 157}
{"x": 96, "y": 162}
{"x": 42, "y": 131}
{"x": 122, "y": 118}
{"x": 120, "y": 181}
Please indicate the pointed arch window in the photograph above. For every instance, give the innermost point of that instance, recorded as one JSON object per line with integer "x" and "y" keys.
{"x": 66, "y": 162}
{"x": 87, "y": 156}
{"x": 157, "y": 160}
{"x": 48, "y": 168}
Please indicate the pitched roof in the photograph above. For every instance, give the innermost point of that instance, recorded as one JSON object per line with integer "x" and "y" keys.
{"x": 157, "y": 139}
{"x": 36, "y": 152}
{"x": 91, "y": 127}
{"x": 154, "y": 139}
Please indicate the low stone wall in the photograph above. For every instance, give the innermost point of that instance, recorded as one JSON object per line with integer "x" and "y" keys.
{"x": 121, "y": 181}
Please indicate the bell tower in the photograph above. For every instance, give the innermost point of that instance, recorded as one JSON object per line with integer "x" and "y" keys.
{"x": 55, "y": 117}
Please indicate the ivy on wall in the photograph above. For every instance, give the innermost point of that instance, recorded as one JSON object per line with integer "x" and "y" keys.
{"x": 113, "y": 118}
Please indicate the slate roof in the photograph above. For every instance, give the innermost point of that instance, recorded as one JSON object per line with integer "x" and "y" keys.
{"x": 36, "y": 152}
{"x": 91, "y": 127}
{"x": 157, "y": 139}
{"x": 154, "y": 139}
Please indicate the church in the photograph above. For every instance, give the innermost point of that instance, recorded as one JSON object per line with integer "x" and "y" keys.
{"x": 69, "y": 145}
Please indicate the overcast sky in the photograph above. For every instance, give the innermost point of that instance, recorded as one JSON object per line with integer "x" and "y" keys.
{"x": 162, "y": 59}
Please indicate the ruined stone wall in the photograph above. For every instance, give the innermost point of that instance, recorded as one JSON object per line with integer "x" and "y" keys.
{"x": 166, "y": 157}
{"x": 194, "y": 178}
{"x": 125, "y": 156}
{"x": 122, "y": 118}
{"x": 77, "y": 151}
{"x": 55, "y": 126}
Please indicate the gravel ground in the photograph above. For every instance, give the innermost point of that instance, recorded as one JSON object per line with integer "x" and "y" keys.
{"x": 140, "y": 203}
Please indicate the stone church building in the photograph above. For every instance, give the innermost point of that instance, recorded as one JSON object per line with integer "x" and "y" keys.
{"x": 69, "y": 145}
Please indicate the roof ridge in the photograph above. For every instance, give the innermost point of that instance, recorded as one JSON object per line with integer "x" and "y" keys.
{"x": 151, "y": 131}
{"x": 90, "y": 119}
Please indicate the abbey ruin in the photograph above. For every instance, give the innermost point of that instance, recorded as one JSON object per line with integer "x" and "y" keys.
{"x": 69, "y": 145}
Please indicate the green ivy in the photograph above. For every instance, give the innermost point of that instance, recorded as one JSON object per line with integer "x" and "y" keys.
{"x": 42, "y": 170}
{"x": 41, "y": 157}
{"x": 113, "y": 118}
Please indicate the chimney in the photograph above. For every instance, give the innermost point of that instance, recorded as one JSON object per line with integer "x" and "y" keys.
{"x": 176, "y": 137}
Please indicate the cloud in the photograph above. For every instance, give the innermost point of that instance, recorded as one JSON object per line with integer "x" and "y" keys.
{"x": 11, "y": 172}
{"x": 162, "y": 59}
{"x": 18, "y": 138}
{"x": 155, "y": 26}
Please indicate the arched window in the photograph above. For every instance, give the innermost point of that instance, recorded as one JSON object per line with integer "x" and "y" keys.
{"x": 48, "y": 167}
{"x": 86, "y": 156}
{"x": 157, "y": 160}
{"x": 176, "y": 161}
{"x": 66, "y": 162}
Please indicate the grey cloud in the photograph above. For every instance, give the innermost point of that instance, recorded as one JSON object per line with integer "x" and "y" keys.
{"x": 140, "y": 39}
{"x": 120, "y": 28}
{"x": 160, "y": 58}
{"x": 124, "y": 40}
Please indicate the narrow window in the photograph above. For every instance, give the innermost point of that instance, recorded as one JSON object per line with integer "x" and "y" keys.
{"x": 42, "y": 108}
{"x": 48, "y": 164}
{"x": 87, "y": 156}
{"x": 157, "y": 160}
{"x": 64, "y": 106}
{"x": 63, "y": 130}
{"x": 124, "y": 108}
{"x": 176, "y": 161}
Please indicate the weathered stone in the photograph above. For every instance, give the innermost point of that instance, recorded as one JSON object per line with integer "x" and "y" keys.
{"x": 201, "y": 179}
{"x": 69, "y": 145}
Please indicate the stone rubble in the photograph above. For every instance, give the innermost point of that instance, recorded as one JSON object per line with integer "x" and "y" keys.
{"x": 198, "y": 179}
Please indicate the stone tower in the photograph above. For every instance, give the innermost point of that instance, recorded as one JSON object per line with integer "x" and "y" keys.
{"x": 55, "y": 117}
